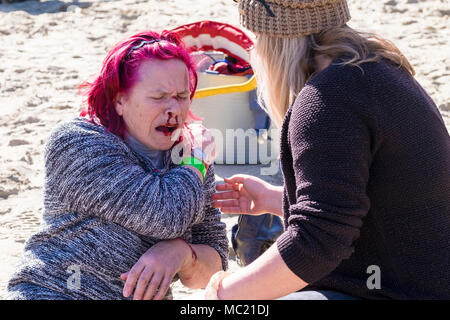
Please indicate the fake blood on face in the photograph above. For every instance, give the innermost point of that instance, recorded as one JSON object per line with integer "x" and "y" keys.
{"x": 168, "y": 128}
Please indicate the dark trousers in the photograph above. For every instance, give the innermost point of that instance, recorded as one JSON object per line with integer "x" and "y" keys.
{"x": 253, "y": 235}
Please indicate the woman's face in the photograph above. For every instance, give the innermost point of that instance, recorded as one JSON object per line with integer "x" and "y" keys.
{"x": 157, "y": 104}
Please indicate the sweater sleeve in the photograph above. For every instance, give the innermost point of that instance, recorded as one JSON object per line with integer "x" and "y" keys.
{"x": 211, "y": 231}
{"x": 88, "y": 171}
{"x": 330, "y": 138}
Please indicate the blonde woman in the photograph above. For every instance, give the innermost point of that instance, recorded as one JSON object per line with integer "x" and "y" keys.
{"x": 365, "y": 156}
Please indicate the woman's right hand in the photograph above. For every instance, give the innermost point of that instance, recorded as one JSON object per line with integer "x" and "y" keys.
{"x": 197, "y": 138}
{"x": 244, "y": 194}
{"x": 197, "y": 142}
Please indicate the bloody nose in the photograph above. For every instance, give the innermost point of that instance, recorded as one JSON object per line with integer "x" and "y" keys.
{"x": 170, "y": 117}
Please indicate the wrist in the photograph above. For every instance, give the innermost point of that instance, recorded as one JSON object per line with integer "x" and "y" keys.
{"x": 190, "y": 256}
{"x": 273, "y": 199}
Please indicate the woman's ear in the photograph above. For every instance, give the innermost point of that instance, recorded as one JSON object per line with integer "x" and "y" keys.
{"x": 119, "y": 104}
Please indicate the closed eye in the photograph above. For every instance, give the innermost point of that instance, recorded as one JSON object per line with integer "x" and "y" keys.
{"x": 183, "y": 97}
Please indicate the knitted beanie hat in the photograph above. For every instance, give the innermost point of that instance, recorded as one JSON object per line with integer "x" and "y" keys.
{"x": 292, "y": 18}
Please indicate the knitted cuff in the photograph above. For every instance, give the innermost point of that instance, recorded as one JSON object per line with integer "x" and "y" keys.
{"x": 295, "y": 260}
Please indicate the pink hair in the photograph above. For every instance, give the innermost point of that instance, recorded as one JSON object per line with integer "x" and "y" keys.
{"x": 119, "y": 72}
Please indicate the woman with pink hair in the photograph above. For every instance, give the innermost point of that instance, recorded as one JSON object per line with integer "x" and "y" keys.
{"x": 127, "y": 187}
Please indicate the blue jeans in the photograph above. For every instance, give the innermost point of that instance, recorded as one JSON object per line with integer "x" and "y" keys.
{"x": 318, "y": 295}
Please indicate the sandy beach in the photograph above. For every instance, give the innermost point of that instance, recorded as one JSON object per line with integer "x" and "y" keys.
{"x": 50, "y": 47}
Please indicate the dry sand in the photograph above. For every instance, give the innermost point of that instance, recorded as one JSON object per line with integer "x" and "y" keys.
{"x": 50, "y": 47}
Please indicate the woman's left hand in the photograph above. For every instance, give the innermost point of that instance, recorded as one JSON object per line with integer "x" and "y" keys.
{"x": 156, "y": 269}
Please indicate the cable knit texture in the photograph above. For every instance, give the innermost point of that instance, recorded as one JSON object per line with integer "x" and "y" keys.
{"x": 366, "y": 162}
{"x": 104, "y": 206}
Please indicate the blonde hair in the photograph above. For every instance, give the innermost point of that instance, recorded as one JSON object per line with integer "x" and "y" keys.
{"x": 283, "y": 65}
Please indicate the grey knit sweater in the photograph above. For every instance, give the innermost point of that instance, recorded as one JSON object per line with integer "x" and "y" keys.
{"x": 104, "y": 206}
